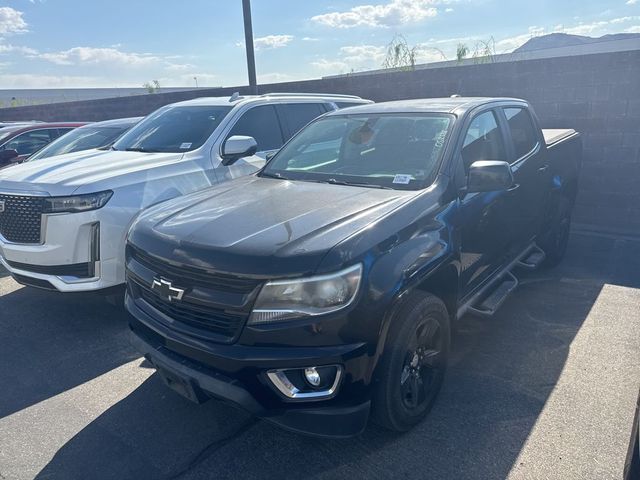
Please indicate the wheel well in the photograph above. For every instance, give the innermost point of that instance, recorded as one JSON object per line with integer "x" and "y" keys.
{"x": 444, "y": 285}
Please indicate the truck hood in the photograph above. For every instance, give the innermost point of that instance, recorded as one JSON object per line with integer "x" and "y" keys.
{"x": 64, "y": 174}
{"x": 260, "y": 226}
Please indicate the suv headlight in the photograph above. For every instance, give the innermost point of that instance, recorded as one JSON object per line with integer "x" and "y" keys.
{"x": 303, "y": 297}
{"x": 77, "y": 203}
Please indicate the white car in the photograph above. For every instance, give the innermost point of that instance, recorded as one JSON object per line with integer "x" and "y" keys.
{"x": 64, "y": 219}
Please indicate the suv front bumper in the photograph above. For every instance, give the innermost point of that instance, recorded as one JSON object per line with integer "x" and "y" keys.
{"x": 239, "y": 378}
{"x": 79, "y": 252}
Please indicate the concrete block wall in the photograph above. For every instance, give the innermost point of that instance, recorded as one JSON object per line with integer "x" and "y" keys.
{"x": 597, "y": 94}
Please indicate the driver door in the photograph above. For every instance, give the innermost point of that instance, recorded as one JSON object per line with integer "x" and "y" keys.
{"x": 261, "y": 123}
{"x": 485, "y": 231}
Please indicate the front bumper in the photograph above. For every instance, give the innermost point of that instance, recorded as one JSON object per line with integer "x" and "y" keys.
{"x": 89, "y": 241}
{"x": 236, "y": 374}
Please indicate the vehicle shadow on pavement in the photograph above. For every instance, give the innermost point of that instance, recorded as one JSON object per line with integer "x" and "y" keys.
{"x": 501, "y": 374}
{"x": 52, "y": 343}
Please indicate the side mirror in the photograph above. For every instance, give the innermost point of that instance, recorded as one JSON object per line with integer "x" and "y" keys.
{"x": 489, "y": 176}
{"x": 7, "y": 157}
{"x": 236, "y": 147}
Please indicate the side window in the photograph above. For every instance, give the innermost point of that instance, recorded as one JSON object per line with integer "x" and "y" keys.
{"x": 522, "y": 131}
{"x": 29, "y": 142}
{"x": 297, "y": 115}
{"x": 262, "y": 124}
{"x": 483, "y": 140}
{"x": 62, "y": 131}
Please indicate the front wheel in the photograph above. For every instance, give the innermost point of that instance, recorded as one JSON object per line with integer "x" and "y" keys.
{"x": 412, "y": 367}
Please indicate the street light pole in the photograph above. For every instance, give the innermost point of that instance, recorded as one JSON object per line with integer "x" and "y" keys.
{"x": 248, "y": 41}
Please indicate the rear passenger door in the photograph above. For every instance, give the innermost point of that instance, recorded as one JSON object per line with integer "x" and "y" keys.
{"x": 294, "y": 116}
{"x": 530, "y": 172}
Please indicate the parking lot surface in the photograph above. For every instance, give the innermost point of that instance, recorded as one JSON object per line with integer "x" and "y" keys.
{"x": 545, "y": 389}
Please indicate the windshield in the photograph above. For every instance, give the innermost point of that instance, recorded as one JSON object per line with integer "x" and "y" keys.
{"x": 84, "y": 138}
{"x": 400, "y": 151}
{"x": 173, "y": 129}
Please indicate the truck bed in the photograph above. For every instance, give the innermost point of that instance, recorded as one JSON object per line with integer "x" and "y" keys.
{"x": 553, "y": 136}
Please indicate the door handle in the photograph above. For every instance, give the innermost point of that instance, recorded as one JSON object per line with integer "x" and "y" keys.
{"x": 543, "y": 168}
{"x": 513, "y": 188}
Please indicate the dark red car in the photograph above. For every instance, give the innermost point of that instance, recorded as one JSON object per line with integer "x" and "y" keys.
{"x": 19, "y": 141}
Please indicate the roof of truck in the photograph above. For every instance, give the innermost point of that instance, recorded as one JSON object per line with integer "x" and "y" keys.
{"x": 432, "y": 105}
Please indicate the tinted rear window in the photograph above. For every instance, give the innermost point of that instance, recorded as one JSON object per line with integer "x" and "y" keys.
{"x": 297, "y": 115}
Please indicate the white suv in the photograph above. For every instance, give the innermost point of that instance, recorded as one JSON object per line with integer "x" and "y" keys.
{"x": 64, "y": 219}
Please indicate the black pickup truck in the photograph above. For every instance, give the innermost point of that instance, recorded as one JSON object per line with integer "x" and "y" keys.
{"x": 325, "y": 287}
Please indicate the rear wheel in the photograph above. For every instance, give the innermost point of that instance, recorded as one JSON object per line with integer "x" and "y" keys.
{"x": 555, "y": 242}
{"x": 412, "y": 367}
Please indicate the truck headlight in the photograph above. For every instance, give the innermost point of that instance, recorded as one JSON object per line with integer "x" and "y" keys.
{"x": 77, "y": 203}
{"x": 286, "y": 299}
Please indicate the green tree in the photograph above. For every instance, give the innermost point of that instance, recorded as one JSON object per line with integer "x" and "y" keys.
{"x": 152, "y": 86}
{"x": 399, "y": 54}
{"x": 462, "y": 51}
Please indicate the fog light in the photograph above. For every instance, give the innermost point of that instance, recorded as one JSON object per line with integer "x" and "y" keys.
{"x": 307, "y": 383}
{"x": 312, "y": 376}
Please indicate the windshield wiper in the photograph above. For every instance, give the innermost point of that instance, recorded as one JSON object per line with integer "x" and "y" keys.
{"x": 334, "y": 181}
{"x": 273, "y": 175}
{"x": 140, "y": 149}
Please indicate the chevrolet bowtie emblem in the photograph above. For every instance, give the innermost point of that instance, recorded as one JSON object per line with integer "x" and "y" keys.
{"x": 166, "y": 290}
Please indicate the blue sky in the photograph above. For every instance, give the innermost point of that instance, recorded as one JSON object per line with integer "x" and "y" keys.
{"x": 118, "y": 43}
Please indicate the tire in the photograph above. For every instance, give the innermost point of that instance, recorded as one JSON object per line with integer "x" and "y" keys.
{"x": 412, "y": 367}
{"x": 554, "y": 243}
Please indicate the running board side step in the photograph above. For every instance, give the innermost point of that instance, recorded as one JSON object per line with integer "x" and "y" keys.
{"x": 492, "y": 302}
{"x": 533, "y": 258}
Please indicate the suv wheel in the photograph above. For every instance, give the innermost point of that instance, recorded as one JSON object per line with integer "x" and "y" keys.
{"x": 412, "y": 367}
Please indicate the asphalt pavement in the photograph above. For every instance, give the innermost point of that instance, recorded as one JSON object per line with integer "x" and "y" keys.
{"x": 546, "y": 389}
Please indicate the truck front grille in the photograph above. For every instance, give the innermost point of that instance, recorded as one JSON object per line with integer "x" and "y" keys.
{"x": 214, "y": 306}
{"x": 21, "y": 218}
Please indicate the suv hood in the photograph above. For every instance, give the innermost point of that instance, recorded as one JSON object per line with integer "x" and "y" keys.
{"x": 64, "y": 174}
{"x": 260, "y": 226}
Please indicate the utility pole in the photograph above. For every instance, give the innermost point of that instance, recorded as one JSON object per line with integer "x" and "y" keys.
{"x": 248, "y": 41}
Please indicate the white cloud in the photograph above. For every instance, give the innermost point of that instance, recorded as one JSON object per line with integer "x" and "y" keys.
{"x": 330, "y": 66}
{"x": 92, "y": 55}
{"x": 11, "y": 21}
{"x": 7, "y": 48}
{"x": 362, "y": 54}
{"x": 352, "y": 58}
{"x": 394, "y": 13}
{"x": 269, "y": 42}
{"x": 272, "y": 41}
{"x": 448, "y": 10}
{"x": 26, "y": 80}
{"x": 634, "y": 29}
{"x": 310, "y": 39}
{"x": 274, "y": 77}
{"x": 632, "y": 2}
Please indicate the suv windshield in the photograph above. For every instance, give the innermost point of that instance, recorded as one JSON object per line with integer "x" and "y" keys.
{"x": 400, "y": 151}
{"x": 80, "y": 139}
{"x": 173, "y": 129}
